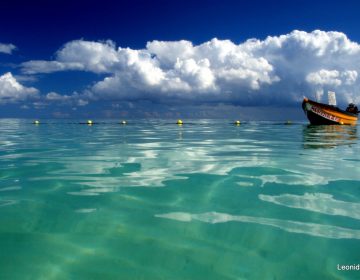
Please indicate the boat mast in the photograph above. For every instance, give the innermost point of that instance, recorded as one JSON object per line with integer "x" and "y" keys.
{"x": 331, "y": 98}
{"x": 318, "y": 95}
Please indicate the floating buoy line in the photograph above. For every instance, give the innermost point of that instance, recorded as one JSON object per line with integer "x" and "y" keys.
{"x": 179, "y": 122}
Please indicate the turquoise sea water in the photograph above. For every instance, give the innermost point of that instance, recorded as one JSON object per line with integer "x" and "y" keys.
{"x": 153, "y": 200}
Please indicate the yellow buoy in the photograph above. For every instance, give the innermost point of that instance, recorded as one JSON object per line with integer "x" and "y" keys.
{"x": 123, "y": 122}
{"x": 288, "y": 122}
{"x": 179, "y": 122}
{"x": 237, "y": 122}
{"x": 89, "y": 122}
{"x": 36, "y": 122}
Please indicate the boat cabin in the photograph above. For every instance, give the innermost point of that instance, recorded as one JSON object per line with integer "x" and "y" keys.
{"x": 351, "y": 108}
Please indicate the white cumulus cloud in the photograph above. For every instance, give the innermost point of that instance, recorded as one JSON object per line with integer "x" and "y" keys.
{"x": 13, "y": 91}
{"x": 332, "y": 77}
{"x": 98, "y": 57}
{"x": 183, "y": 71}
{"x": 7, "y": 48}
{"x": 324, "y": 77}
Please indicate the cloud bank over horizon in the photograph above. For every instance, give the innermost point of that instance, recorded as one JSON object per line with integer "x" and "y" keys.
{"x": 279, "y": 70}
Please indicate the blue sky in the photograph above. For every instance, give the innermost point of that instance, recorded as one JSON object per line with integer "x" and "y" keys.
{"x": 123, "y": 59}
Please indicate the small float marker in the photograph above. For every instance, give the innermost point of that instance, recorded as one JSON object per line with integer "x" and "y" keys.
{"x": 237, "y": 122}
{"x": 179, "y": 122}
{"x": 123, "y": 122}
{"x": 89, "y": 122}
{"x": 36, "y": 122}
{"x": 288, "y": 122}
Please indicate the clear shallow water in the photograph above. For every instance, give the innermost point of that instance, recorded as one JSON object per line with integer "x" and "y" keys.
{"x": 152, "y": 200}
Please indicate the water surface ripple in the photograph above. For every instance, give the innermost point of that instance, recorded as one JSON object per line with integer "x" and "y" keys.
{"x": 154, "y": 200}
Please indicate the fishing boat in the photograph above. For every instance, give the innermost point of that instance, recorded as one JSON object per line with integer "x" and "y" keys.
{"x": 325, "y": 114}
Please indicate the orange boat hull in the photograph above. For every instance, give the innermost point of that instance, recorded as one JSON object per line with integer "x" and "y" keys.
{"x": 323, "y": 114}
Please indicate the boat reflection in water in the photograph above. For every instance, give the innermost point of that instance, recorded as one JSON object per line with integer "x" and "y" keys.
{"x": 328, "y": 136}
